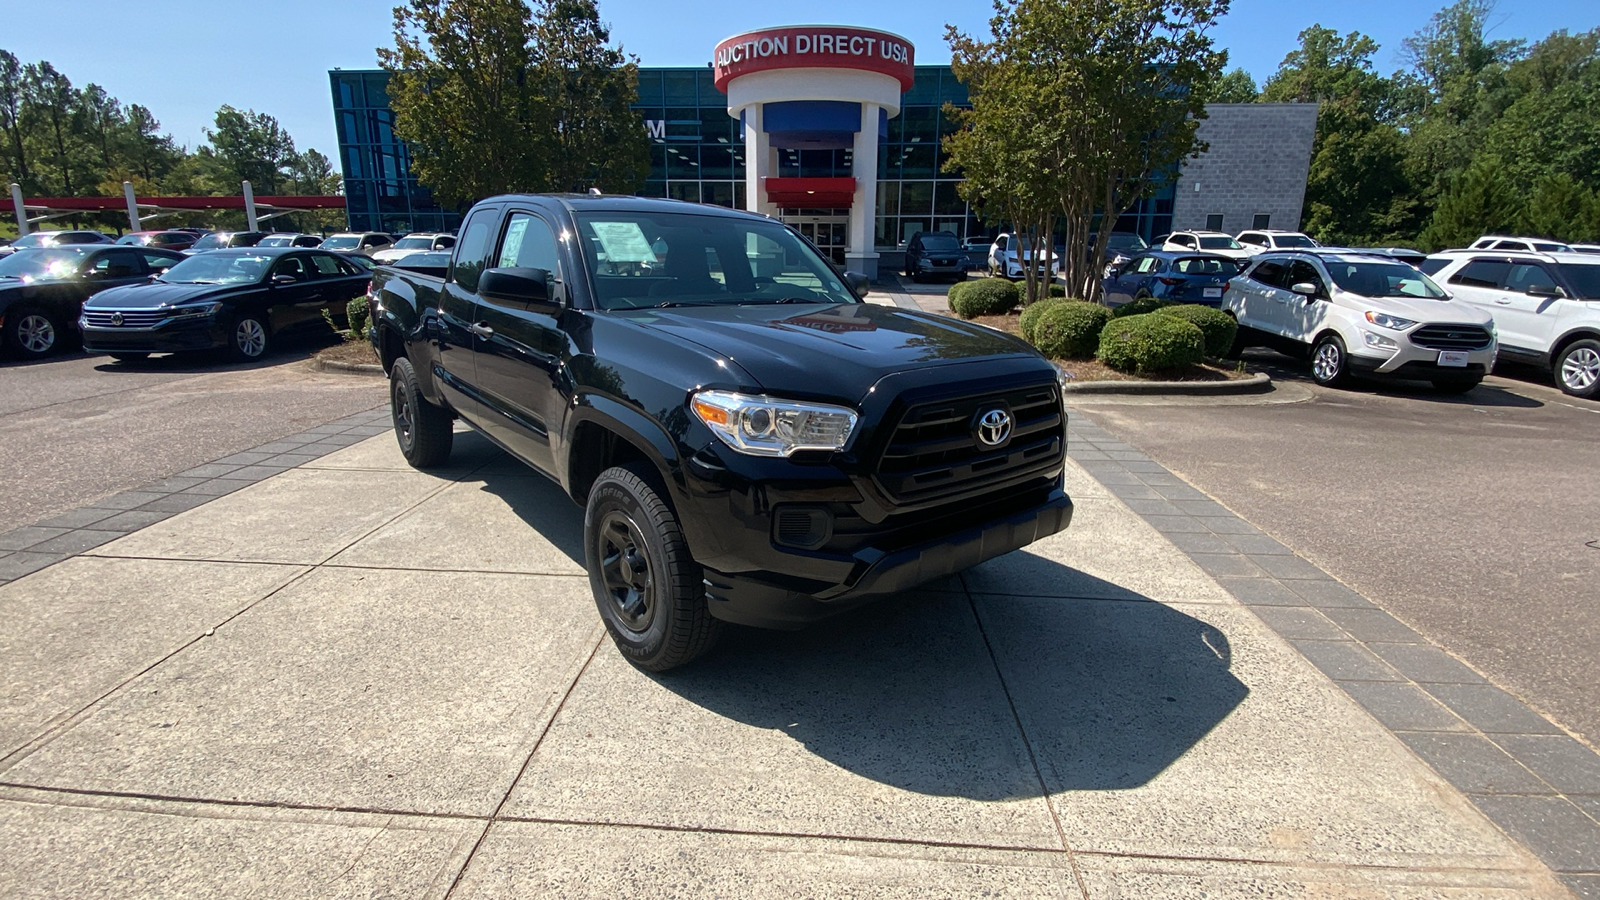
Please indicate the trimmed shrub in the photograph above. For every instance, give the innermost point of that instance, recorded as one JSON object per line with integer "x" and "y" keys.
{"x": 1068, "y": 329}
{"x": 1138, "y": 307}
{"x": 1151, "y": 343}
{"x": 356, "y": 313}
{"x": 1057, "y": 290}
{"x": 985, "y": 297}
{"x": 1218, "y": 327}
{"x": 956, "y": 290}
{"x": 1030, "y": 315}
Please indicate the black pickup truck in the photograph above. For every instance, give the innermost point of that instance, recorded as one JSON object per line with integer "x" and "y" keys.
{"x": 751, "y": 442}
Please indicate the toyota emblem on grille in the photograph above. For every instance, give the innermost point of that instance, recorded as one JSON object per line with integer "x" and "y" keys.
{"x": 994, "y": 427}
{"x": 116, "y": 318}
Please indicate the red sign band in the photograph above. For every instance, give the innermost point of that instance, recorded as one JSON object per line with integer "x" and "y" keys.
{"x": 814, "y": 47}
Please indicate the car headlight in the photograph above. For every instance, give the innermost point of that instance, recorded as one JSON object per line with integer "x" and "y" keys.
{"x": 1384, "y": 320}
{"x": 197, "y": 311}
{"x": 768, "y": 426}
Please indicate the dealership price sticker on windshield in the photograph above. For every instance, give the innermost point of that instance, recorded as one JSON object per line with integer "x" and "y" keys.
{"x": 623, "y": 241}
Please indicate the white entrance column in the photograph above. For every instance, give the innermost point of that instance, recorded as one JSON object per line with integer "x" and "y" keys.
{"x": 861, "y": 255}
{"x": 250, "y": 207}
{"x": 758, "y": 162}
{"x": 133, "y": 205}
{"x": 22, "y": 211}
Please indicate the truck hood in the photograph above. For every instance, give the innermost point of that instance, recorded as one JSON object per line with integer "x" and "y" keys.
{"x": 832, "y": 350}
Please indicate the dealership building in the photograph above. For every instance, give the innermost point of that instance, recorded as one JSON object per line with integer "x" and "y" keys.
{"x": 837, "y": 131}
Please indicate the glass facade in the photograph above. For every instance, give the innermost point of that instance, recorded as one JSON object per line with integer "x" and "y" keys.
{"x": 697, "y": 154}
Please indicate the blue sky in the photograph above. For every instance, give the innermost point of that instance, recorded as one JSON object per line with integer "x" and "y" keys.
{"x": 184, "y": 61}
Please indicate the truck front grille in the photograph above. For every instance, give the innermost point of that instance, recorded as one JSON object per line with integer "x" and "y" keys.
{"x": 1451, "y": 337}
{"x": 935, "y": 452}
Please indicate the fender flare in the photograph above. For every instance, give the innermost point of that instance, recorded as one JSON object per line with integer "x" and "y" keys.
{"x": 644, "y": 433}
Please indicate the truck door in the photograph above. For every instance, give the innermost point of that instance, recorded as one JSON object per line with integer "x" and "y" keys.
{"x": 451, "y": 328}
{"x": 521, "y": 351}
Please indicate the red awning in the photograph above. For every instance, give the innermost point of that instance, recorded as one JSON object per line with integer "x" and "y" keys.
{"x": 811, "y": 193}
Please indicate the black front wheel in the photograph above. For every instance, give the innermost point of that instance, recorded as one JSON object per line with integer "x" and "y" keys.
{"x": 249, "y": 338}
{"x": 647, "y": 587}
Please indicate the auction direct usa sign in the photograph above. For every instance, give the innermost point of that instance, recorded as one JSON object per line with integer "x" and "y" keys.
{"x": 814, "y": 47}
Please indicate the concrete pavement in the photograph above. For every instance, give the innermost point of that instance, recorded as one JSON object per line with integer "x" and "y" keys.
{"x": 345, "y": 677}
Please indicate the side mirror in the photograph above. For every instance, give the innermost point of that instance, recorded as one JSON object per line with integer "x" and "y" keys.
{"x": 285, "y": 279}
{"x": 1305, "y": 289}
{"x": 515, "y": 284}
{"x": 1548, "y": 291}
{"x": 858, "y": 283}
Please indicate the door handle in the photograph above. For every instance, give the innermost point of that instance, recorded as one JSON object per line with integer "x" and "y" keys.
{"x": 1502, "y": 301}
{"x": 482, "y": 330}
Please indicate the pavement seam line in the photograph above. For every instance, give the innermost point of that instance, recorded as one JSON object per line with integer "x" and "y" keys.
{"x": 594, "y": 649}
{"x": 238, "y": 804}
{"x": 43, "y": 739}
{"x": 1027, "y": 743}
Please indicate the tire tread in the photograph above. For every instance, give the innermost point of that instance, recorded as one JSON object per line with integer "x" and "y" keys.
{"x": 432, "y": 433}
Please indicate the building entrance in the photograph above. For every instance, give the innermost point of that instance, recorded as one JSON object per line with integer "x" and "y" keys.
{"x": 830, "y": 234}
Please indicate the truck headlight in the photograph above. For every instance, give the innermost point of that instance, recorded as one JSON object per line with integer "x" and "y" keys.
{"x": 768, "y": 426}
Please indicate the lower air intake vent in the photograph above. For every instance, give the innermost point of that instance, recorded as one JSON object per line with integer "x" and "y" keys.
{"x": 804, "y": 528}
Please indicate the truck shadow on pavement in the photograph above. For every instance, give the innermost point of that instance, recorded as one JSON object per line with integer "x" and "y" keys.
{"x": 947, "y": 693}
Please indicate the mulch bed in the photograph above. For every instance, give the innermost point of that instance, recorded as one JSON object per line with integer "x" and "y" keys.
{"x": 350, "y": 352}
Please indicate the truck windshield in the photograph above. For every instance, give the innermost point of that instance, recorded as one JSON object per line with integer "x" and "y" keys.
{"x": 646, "y": 259}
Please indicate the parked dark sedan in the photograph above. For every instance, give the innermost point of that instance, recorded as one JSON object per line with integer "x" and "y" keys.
{"x": 41, "y": 291}
{"x": 166, "y": 240}
{"x": 38, "y": 240}
{"x": 218, "y": 240}
{"x": 233, "y": 299}
{"x": 1178, "y": 276}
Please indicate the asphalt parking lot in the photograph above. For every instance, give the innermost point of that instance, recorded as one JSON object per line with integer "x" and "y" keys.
{"x": 77, "y": 428}
{"x": 1475, "y": 518}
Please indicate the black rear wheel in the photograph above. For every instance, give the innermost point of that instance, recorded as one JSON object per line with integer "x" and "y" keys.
{"x": 32, "y": 333}
{"x": 646, "y": 585}
{"x": 423, "y": 430}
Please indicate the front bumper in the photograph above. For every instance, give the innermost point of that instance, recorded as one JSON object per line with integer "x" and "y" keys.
{"x": 171, "y": 337}
{"x": 1422, "y": 363}
{"x": 766, "y": 600}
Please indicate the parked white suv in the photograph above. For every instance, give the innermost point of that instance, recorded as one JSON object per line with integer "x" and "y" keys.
{"x": 1361, "y": 315}
{"x": 1004, "y": 257}
{"x": 364, "y": 242}
{"x": 1209, "y": 241}
{"x": 413, "y": 243}
{"x": 1546, "y": 307}
{"x": 1512, "y": 242}
{"x": 1261, "y": 240}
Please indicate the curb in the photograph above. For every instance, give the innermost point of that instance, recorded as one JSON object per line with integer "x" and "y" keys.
{"x": 318, "y": 364}
{"x": 1256, "y": 383}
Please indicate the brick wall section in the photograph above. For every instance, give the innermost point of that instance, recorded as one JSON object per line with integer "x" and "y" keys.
{"x": 1259, "y": 158}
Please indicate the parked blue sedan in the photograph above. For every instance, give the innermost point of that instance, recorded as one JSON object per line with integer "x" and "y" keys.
{"x": 1173, "y": 275}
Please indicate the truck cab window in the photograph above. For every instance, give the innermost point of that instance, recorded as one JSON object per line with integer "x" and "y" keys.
{"x": 474, "y": 249}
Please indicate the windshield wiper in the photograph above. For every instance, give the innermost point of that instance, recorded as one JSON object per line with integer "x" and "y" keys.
{"x": 783, "y": 300}
{"x": 665, "y": 304}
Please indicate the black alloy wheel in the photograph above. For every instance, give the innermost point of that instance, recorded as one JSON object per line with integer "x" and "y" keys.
{"x": 647, "y": 587}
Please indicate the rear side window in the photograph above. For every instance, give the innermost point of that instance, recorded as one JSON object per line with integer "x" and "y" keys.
{"x": 1584, "y": 280}
{"x": 1269, "y": 273}
{"x": 327, "y": 266}
{"x": 473, "y": 254}
{"x": 1148, "y": 264}
{"x": 1433, "y": 266}
{"x": 1484, "y": 273}
{"x": 1511, "y": 245}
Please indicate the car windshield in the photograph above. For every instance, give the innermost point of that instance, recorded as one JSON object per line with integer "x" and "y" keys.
{"x": 360, "y": 261}
{"x": 649, "y": 259}
{"x": 1375, "y": 279}
{"x": 1220, "y": 242}
{"x": 210, "y": 242}
{"x": 1201, "y": 265}
{"x": 1122, "y": 240}
{"x": 41, "y": 265}
{"x": 413, "y": 244}
{"x": 1294, "y": 240}
{"x": 940, "y": 241}
{"x": 1584, "y": 279}
{"x": 30, "y": 241}
{"x": 219, "y": 268}
{"x": 284, "y": 240}
{"x": 343, "y": 242}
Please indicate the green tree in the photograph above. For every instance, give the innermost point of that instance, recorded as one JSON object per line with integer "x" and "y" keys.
{"x": 12, "y": 92}
{"x": 1358, "y": 190}
{"x": 1559, "y": 208}
{"x": 1236, "y": 87}
{"x": 1551, "y": 125}
{"x": 253, "y": 147}
{"x": 1101, "y": 101}
{"x": 47, "y": 104}
{"x": 1476, "y": 201}
{"x": 493, "y": 96}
